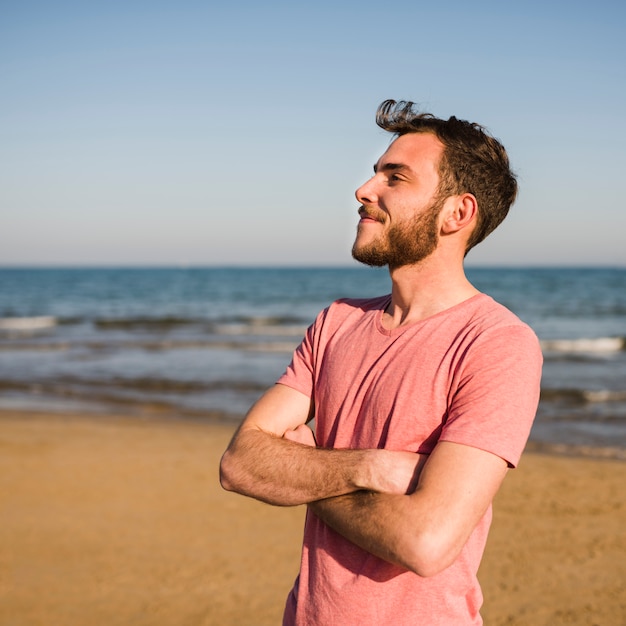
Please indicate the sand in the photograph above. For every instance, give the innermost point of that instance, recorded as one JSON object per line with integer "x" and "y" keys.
{"x": 106, "y": 520}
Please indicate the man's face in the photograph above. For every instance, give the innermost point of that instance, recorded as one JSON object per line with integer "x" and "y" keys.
{"x": 399, "y": 205}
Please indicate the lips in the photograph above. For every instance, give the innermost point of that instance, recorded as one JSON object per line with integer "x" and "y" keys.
{"x": 368, "y": 214}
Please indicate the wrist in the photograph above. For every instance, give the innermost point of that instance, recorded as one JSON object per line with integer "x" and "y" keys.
{"x": 369, "y": 470}
{"x": 388, "y": 471}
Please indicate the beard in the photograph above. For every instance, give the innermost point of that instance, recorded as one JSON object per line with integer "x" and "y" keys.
{"x": 403, "y": 244}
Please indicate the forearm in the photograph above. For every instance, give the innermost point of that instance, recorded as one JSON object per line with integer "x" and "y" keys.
{"x": 386, "y": 525}
{"x": 426, "y": 530}
{"x": 281, "y": 472}
{"x": 274, "y": 458}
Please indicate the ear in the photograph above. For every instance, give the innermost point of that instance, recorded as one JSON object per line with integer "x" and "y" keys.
{"x": 460, "y": 213}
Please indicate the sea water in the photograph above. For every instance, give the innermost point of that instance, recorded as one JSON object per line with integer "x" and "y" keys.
{"x": 206, "y": 341}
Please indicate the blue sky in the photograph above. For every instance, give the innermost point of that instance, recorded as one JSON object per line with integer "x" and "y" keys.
{"x": 142, "y": 133}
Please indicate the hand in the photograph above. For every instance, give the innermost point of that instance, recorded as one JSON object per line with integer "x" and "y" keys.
{"x": 302, "y": 434}
{"x": 394, "y": 472}
{"x": 397, "y": 472}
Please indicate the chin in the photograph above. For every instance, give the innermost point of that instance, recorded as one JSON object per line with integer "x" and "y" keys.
{"x": 369, "y": 256}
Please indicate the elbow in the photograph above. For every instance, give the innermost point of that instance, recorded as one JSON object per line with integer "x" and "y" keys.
{"x": 227, "y": 473}
{"x": 429, "y": 554}
{"x": 425, "y": 568}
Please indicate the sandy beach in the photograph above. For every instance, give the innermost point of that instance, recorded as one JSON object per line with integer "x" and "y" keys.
{"x": 109, "y": 520}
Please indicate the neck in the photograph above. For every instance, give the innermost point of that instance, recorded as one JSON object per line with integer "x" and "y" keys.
{"x": 425, "y": 289}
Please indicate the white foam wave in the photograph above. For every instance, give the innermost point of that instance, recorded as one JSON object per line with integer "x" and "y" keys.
{"x": 260, "y": 329}
{"x": 27, "y": 324}
{"x": 599, "y": 345}
{"x": 604, "y": 395}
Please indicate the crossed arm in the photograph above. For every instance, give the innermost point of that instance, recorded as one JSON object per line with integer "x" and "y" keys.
{"x": 408, "y": 509}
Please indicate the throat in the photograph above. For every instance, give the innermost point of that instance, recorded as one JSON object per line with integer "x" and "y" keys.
{"x": 396, "y": 315}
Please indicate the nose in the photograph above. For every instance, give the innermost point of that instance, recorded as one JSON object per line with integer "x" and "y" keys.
{"x": 366, "y": 193}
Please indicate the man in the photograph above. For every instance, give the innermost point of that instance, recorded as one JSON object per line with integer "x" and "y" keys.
{"x": 422, "y": 399}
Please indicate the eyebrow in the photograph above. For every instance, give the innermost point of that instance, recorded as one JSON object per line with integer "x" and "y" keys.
{"x": 393, "y": 167}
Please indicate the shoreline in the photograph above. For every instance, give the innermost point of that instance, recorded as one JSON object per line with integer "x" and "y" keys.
{"x": 111, "y": 519}
{"x": 153, "y": 411}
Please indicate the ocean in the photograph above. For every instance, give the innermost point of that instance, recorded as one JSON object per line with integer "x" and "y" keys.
{"x": 205, "y": 342}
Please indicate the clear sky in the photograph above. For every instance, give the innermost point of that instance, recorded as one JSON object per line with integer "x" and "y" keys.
{"x": 148, "y": 132}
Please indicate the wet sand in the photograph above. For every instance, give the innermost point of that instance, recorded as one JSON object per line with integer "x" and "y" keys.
{"x": 115, "y": 521}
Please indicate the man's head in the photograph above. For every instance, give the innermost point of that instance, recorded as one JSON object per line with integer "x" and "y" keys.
{"x": 472, "y": 162}
{"x": 400, "y": 204}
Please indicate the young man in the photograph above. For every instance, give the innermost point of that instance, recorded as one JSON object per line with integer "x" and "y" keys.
{"x": 422, "y": 399}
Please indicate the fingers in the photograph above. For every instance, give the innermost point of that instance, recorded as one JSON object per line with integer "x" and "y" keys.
{"x": 302, "y": 434}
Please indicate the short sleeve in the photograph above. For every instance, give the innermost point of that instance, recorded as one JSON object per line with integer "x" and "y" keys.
{"x": 300, "y": 373}
{"x": 497, "y": 393}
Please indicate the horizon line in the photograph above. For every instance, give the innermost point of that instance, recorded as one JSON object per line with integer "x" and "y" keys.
{"x": 277, "y": 266}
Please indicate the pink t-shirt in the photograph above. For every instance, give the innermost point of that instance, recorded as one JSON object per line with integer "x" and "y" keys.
{"x": 468, "y": 375}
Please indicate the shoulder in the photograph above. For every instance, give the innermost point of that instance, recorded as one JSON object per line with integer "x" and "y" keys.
{"x": 496, "y": 330}
{"x": 348, "y": 312}
{"x": 481, "y": 328}
{"x": 487, "y": 314}
{"x": 347, "y": 307}
{"x": 365, "y": 305}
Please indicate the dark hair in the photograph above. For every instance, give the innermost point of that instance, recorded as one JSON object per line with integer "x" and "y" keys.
{"x": 473, "y": 161}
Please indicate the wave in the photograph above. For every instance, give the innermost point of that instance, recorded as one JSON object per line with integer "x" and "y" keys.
{"x": 600, "y": 345}
{"x": 225, "y": 398}
{"x": 579, "y": 450}
{"x": 150, "y": 334}
{"x": 172, "y": 385}
{"x": 27, "y": 324}
{"x": 286, "y": 347}
{"x": 233, "y": 325}
{"x": 71, "y": 385}
{"x": 168, "y": 385}
{"x": 271, "y": 320}
{"x": 583, "y": 396}
{"x": 156, "y": 323}
{"x": 260, "y": 328}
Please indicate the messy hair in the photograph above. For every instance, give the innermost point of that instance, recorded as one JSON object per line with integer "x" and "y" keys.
{"x": 473, "y": 162}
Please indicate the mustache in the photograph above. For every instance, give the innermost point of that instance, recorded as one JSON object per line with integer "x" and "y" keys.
{"x": 371, "y": 213}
